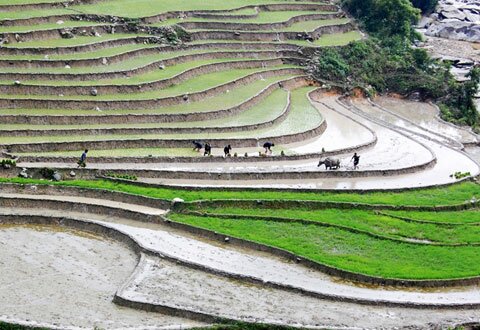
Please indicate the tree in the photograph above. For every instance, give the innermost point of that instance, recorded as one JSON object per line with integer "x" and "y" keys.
{"x": 426, "y": 6}
{"x": 385, "y": 17}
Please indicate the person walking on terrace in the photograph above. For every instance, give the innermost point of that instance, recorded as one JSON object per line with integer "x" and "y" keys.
{"x": 208, "y": 149}
{"x": 356, "y": 160}
{"x": 197, "y": 146}
{"x": 227, "y": 150}
{"x": 268, "y": 147}
{"x": 82, "y": 162}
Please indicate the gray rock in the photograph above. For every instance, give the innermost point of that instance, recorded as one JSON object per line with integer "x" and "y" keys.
{"x": 66, "y": 34}
{"x": 415, "y": 96}
{"x": 73, "y": 174}
{"x": 94, "y": 92}
{"x": 57, "y": 176}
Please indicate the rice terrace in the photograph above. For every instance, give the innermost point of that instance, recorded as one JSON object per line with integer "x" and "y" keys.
{"x": 240, "y": 164}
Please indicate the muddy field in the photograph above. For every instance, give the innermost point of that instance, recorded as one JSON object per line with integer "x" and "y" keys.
{"x": 67, "y": 279}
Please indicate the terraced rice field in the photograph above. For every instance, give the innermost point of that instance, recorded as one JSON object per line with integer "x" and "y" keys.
{"x": 230, "y": 74}
{"x": 137, "y": 86}
{"x": 191, "y": 240}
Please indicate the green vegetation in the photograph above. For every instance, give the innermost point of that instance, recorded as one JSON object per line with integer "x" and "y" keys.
{"x": 294, "y": 123}
{"x": 11, "y": 326}
{"x": 393, "y": 244}
{"x": 121, "y": 176}
{"x": 451, "y": 195}
{"x": 47, "y": 26}
{"x": 427, "y": 6}
{"x": 355, "y": 252}
{"x": 365, "y": 221}
{"x": 77, "y": 41}
{"x": 306, "y": 26}
{"x": 219, "y": 102}
{"x": 266, "y": 110}
{"x": 387, "y": 62}
{"x": 8, "y": 163}
{"x": 193, "y": 85}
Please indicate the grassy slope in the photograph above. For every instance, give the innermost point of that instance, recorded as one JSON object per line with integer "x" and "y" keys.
{"x": 338, "y": 247}
{"x": 371, "y": 222}
{"x": 268, "y": 109}
{"x": 219, "y": 102}
{"x": 451, "y": 195}
{"x": 193, "y": 85}
{"x": 294, "y": 123}
{"x": 351, "y": 251}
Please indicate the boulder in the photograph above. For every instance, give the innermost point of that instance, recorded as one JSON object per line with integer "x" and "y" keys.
{"x": 23, "y": 173}
{"x": 66, "y": 34}
{"x": 57, "y": 176}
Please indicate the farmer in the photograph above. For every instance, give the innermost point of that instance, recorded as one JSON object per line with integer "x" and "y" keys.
{"x": 268, "y": 146}
{"x": 356, "y": 160}
{"x": 197, "y": 146}
{"x": 208, "y": 149}
{"x": 82, "y": 162}
{"x": 227, "y": 150}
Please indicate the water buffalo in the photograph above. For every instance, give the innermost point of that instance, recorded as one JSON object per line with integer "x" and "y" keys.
{"x": 330, "y": 163}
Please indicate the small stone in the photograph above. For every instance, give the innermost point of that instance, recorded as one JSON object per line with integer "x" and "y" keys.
{"x": 60, "y": 22}
{"x": 46, "y": 57}
{"x": 227, "y": 239}
{"x": 17, "y": 82}
{"x": 94, "y": 92}
{"x": 98, "y": 109}
{"x": 73, "y": 174}
{"x": 57, "y": 176}
{"x": 67, "y": 66}
{"x": 177, "y": 200}
{"x": 185, "y": 97}
{"x": 104, "y": 61}
{"x": 161, "y": 67}
{"x": 96, "y": 34}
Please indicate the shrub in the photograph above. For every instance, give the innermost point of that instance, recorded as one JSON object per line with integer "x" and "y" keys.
{"x": 47, "y": 173}
{"x": 8, "y": 162}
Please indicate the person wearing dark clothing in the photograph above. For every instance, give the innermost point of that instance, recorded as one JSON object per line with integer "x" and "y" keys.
{"x": 208, "y": 149}
{"x": 227, "y": 150}
{"x": 356, "y": 160}
{"x": 268, "y": 146}
{"x": 82, "y": 162}
{"x": 197, "y": 145}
